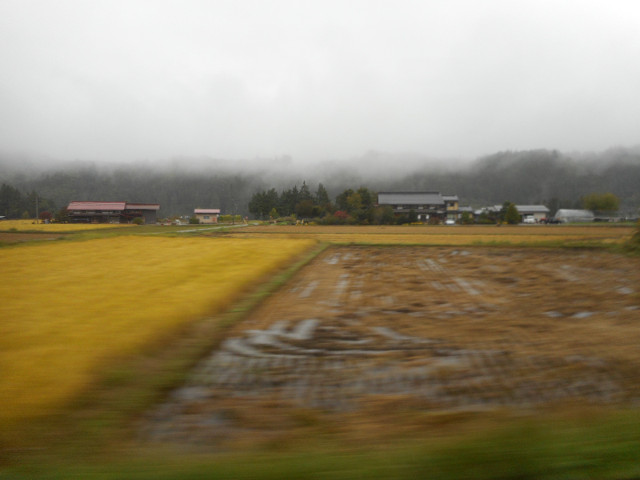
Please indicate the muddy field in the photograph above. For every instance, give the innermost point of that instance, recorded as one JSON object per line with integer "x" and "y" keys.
{"x": 375, "y": 339}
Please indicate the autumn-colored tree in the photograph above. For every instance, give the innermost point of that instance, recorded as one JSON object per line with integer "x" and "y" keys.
{"x": 601, "y": 202}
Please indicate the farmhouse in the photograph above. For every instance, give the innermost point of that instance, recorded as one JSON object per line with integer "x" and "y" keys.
{"x": 207, "y": 215}
{"x": 111, "y": 212}
{"x": 426, "y": 205}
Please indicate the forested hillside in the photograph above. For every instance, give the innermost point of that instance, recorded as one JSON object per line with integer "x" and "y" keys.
{"x": 525, "y": 177}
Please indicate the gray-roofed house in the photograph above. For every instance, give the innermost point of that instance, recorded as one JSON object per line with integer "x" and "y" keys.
{"x": 426, "y": 205}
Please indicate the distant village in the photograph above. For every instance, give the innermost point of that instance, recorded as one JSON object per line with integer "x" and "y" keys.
{"x": 392, "y": 207}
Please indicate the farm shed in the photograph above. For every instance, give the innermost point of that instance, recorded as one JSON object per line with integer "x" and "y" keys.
{"x": 569, "y": 216}
{"x": 536, "y": 212}
{"x": 207, "y": 215}
{"x": 533, "y": 212}
{"x": 426, "y": 204}
{"x": 111, "y": 212}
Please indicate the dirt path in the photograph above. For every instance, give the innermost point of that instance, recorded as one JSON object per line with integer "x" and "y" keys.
{"x": 367, "y": 331}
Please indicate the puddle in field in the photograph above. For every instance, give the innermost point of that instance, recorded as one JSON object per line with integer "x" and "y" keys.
{"x": 434, "y": 329}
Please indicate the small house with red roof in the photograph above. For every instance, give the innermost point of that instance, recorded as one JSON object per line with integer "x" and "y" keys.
{"x": 207, "y": 215}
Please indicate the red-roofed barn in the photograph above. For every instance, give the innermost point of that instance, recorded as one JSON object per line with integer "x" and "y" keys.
{"x": 112, "y": 212}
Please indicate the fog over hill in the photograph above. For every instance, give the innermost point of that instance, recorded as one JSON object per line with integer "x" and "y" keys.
{"x": 181, "y": 184}
{"x": 120, "y": 80}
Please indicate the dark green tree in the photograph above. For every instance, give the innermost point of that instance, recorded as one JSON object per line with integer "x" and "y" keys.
{"x": 11, "y": 201}
{"x": 62, "y": 215}
{"x": 466, "y": 218}
{"x": 262, "y": 203}
{"x": 304, "y": 193}
{"x": 322, "y": 197}
{"x": 288, "y": 201}
{"x": 305, "y": 209}
{"x": 511, "y": 216}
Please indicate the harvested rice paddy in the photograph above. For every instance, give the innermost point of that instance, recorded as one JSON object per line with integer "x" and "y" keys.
{"x": 383, "y": 340}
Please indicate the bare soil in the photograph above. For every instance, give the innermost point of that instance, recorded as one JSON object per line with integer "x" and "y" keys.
{"x": 374, "y": 340}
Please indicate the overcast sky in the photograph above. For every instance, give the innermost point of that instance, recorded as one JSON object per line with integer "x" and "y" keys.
{"x": 132, "y": 79}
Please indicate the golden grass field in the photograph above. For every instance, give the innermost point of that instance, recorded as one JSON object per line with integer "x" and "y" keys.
{"x": 69, "y": 307}
{"x": 539, "y": 235}
{"x": 32, "y": 226}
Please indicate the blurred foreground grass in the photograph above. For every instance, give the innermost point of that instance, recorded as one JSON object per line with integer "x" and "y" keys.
{"x": 603, "y": 446}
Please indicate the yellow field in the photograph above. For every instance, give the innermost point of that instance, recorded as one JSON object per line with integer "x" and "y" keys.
{"x": 67, "y": 307}
{"x": 550, "y": 235}
{"x": 31, "y": 226}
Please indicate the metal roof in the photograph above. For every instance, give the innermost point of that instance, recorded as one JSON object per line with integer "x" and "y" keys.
{"x": 524, "y": 209}
{"x": 143, "y": 206}
{"x": 532, "y": 209}
{"x": 207, "y": 210}
{"x": 90, "y": 206}
{"x": 410, "y": 198}
{"x": 567, "y": 213}
{"x": 97, "y": 206}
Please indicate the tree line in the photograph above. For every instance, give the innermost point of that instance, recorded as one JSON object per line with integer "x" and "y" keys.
{"x": 350, "y": 206}
{"x": 16, "y": 204}
{"x": 545, "y": 177}
{"x": 292, "y": 201}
